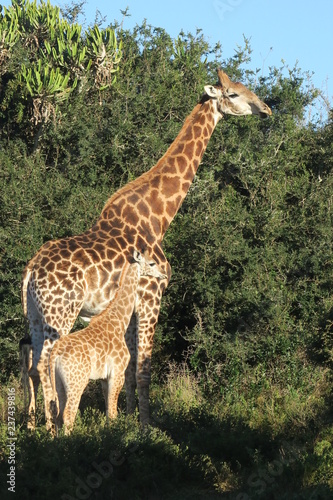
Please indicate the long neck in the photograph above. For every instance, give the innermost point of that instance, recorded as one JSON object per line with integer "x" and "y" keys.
{"x": 122, "y": 305}
{"x": 157, "y": 195}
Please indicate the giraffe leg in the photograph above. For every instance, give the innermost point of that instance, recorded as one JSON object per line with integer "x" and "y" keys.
{"x": 148, "y": 311}
{"x": 71, "y": 380}
{"x": 70, "y": 410}
{"x": 33, "y": 390}
{"x": 57, "y": 407}
{"x": 31, "y": 381}
{"x": 115, "y": 384}
{"x": 116, "y": 380}
{"x": 130, "y": 374}
{"x": 143, "y": 375}
{"x": 37, "y": 338}
{"x": 43, "y": 369}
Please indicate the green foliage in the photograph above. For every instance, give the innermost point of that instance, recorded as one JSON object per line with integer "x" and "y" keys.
{"x": 319, "y": 466}
{"x": 248, "y": 314}
{"x": 45, "y": 58}
{"x": 194, "y": 450}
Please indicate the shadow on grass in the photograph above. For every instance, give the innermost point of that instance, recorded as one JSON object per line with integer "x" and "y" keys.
{"x": 189, "y": 454}
{"x": 243, "y": 463}
{"x": 121, "y": 461}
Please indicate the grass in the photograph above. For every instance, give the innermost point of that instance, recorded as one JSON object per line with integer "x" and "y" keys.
{"x": 268, "y": 443}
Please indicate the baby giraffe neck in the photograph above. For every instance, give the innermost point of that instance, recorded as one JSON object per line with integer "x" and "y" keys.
{"x": 122, "y": 305}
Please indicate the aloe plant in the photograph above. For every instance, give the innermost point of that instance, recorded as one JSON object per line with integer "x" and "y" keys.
{"x": 41, "y": 81}
{"x": 104, "y": 55}
{"x": 59, "y": 57}
{"x": 9, "y": 35}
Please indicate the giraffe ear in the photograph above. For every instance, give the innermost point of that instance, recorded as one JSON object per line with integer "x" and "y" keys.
{"x": 137, "y": 256}
{"x": 212, "y": 91}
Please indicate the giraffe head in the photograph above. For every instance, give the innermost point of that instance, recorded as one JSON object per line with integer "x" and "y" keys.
{"x": 147, "y": 266}
{"x": 235, "y": 99}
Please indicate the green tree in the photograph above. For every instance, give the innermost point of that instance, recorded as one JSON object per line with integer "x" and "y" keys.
{"x": 44, "y": 59}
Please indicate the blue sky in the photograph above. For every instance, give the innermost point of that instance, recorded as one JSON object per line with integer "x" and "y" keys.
{"x": 292, "y": 30}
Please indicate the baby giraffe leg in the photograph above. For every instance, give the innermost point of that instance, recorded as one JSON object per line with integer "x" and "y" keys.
{"x": 116, "y": 378}
{"x": 115, "y": 384}
{"x": 70, "y": 410}
{"x": 58, "y": 405}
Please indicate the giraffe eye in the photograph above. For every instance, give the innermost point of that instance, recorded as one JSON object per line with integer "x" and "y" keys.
{"x": 233, "y": 95}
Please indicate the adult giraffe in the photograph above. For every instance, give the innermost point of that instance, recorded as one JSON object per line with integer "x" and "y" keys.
{"x": 79, "y": 275}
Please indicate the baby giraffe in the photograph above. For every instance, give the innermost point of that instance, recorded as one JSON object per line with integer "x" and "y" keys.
{"x": 99, "y": 351}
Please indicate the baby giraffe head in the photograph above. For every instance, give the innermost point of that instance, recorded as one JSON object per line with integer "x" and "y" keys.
{"x": 147, "y": 266}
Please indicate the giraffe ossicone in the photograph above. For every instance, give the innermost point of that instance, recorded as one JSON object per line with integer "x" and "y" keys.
{"x": 79, "y": 275}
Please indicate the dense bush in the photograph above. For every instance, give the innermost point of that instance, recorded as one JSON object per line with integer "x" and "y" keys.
{"x": 249, "y": 307}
